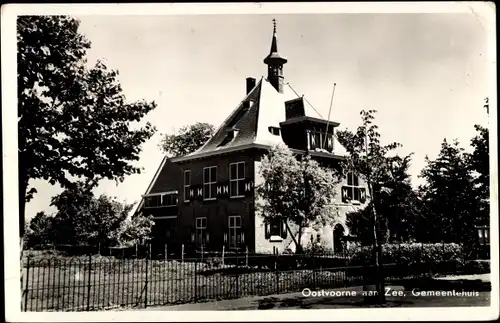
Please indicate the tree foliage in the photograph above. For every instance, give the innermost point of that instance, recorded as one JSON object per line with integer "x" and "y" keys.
{"x": 187, "y": 139}
{"x": 392, "y": 199}
{"x": 74, "y": 121}
{"x": 479, "y": 165}
{"x": 40, "y": 230}
{"x": 398, "y": 206}
{"x": 296, "y": 189}
{"x": 373, "y": 162}
{"x": 449, "y": 196}
{"x": 81, "y": 219}
{"x": 136, "y": 230}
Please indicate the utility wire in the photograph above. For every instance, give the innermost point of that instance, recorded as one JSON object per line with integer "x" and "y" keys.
{"x": 329, "y": 112}
{"x": 304, "y": 100}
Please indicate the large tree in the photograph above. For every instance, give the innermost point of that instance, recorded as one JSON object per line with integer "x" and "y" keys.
{"x": 398, "y": 206}
{"x": 479, "y": 164}
{"x": 74, "y": 121}
{"x": 296, "y": 190}
{"x": 452, "y": 208}
{"x": 186, "y": 140}
{"x": 82, "y": 218}
{"x": 373, "y": 162}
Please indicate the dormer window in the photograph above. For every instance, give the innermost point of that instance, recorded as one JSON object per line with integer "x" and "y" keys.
{"x": 275, "y": 131}
{"x": 230, "y": 135}
{"x": 294, "y": 108}
{"x": 319, "y": 140}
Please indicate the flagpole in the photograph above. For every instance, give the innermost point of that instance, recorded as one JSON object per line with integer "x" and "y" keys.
{"x": 329, "y": 111}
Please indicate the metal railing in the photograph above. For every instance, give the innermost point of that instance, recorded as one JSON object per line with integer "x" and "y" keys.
{"x": 93, "y": 282}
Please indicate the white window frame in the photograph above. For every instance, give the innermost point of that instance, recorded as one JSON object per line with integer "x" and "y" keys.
{"x": 237, "y": 179}
{"x": 146, "y": 206}
{"x": 211, "y": 182}
{"x": 280, "y": 234}
{"x": 354, "y": 187}
{"x": 201, "y": 225}
{"x": 187, "y": 186}
{"x": 175, "y": 196}
{"x": 233, "y": 230}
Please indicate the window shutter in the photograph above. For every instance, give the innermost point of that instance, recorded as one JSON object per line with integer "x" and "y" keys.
{"x": 362, "y": 195}
{"x": 267, "y": 230}
{"x": 345, "y": 194}
{"x": 284, "y": 232}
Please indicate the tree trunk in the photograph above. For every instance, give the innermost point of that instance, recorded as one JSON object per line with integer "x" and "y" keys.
{"x": 298, "y": 249}
{"x": 22, "y": 205}
{"x": 377, "y": 249}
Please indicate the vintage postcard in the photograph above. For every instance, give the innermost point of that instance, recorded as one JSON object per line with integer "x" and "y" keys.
{"x": 280, "y": 161}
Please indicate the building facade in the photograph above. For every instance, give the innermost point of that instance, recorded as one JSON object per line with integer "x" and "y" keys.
{"x": 206, "y": 199}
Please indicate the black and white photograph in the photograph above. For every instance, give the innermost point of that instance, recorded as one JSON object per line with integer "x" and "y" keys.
{"x": 287, "y": 161}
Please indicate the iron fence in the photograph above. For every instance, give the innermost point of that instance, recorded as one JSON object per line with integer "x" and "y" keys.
{"x": 93, "y": 282}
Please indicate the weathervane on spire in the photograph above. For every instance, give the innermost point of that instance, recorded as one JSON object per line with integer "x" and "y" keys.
{"x": 274, "y": 25}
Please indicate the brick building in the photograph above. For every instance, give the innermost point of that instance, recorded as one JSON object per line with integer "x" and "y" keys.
{"x": 207, "y": 198}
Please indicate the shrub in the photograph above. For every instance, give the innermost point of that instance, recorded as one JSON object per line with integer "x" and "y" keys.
{"x": 318, "y": 246}
{"x": 473, "y": 267}
{"x": 407, "y": 253}
{"x": 213, "y": 262}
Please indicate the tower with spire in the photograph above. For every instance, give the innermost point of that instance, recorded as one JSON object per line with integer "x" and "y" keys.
{"x": 275, "y": 62}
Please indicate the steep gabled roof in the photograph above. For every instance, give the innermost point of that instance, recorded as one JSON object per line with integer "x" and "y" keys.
{"x": 248, "y": 125}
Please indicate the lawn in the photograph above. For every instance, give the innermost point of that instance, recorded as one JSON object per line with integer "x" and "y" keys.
{"x": 70, "y": 284}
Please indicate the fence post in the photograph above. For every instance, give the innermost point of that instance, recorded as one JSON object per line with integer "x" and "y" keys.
{"x": 150, "y": 253}
{"x": 146, "y": 286}
{"x": 99, "y": 251}
{"x": 26, "y": 288}
{"x": 246, "y": 257}
{"x": 277, "y": 273}
{"x": 202, "y": 252}
{"x": 195, "y": 280}
{"x": 237, "y": 276}
{"x": 136, "y": 250}
{"x": 223, "y": 249}
{"x": 88, "y": 286}
{"x": 314, "y": 270}
{"x": 166, "y": 252}
{"x": 182, "y": 253}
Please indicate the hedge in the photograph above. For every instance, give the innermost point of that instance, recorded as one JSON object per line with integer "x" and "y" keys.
{"x": 407, "y": 253}
{"x": 472, "y": 267}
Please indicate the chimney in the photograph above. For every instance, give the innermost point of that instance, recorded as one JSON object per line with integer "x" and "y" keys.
{"x": 250, "y": 84}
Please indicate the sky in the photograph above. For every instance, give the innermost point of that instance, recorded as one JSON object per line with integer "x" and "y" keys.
{"x": 426, "y": 74}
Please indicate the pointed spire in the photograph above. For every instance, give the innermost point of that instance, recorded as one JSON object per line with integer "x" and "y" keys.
{"x": 273, "y": 56}
{"x": 274, "y": 44}
{"x": 275, "y": 62}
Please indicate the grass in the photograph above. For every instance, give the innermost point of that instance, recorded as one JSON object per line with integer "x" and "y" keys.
{"x": 60, "y": 283}
{"x": 53, "y": 282}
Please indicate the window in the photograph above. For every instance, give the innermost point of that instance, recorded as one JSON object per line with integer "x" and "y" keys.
{"x": 275, "y": 227}
{"x": 201, "y": 231}
{"x": 209, "y": 182}
{"x": 274, "y": 130}
{"x": 237, "y": 179}
{"x": 235, "y": 232}
{"x": 354, "y": 190}
{"x": 152, "y": 201}
{"x": 187, "y": 184}
{"x": 169, "y": 199}
{"x": 321, "y": 140}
